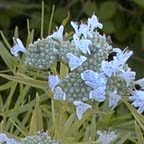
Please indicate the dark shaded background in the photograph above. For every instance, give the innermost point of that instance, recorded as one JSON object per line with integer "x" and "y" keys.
{"x": 123, "y": 20}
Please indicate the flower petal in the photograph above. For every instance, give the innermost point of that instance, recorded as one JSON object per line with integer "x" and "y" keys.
{"x": 18, "y": 47}
{"x": 53, "y": 81}
{"x": 81, "y": 108}
{"x": 114, "y": 98}
{"x": 74, "y": 61}
{"x": 82, "y": 44}
{"x": 98, "y": 94}
{"x": 58, "y": 35}
{"x": 59, "y": 94}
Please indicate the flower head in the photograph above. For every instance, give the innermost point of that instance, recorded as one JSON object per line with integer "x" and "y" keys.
{"x": 138, "y": 100}
{"x": 18, "y": 47}
{"x": 81, "y": 108}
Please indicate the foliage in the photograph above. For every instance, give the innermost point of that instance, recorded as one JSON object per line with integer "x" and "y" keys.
{"x": 26, "y": 102}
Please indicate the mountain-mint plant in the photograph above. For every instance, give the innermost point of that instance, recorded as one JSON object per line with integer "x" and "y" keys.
{"x": 98, "y": 73}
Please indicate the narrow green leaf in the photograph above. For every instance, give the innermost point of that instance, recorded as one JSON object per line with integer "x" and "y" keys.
{"x": 63, "y": 70}
{"x": 69, "y": 123}
{"x": 65, "y": 21}
{"x": 7, "y": 85}
{"x": 36, "y": 123}
{"x": 93, "y": 127}
{"x": 16, "y": 33}
{"x": 8, "y": 59}
{"x": 5, "y": 40}
{"x": 123, "y": 138}
{"x": 139, "y": 134}
{"x": 19, "y": 128}
{"x": 138, "y": 117}
{"x": 9, "y": 97}
{"x": 51, "y": 19}
{"x": 27, "y": 80}
{"x": 1, "y": 102}
{"x": 42, "y": 20}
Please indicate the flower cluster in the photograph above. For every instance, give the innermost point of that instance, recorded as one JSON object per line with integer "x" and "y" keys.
{"x": 39, "y": 138}
{"x": 94, "y": 74}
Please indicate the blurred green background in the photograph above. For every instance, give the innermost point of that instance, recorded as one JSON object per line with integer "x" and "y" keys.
{"x": 123, "y": 20}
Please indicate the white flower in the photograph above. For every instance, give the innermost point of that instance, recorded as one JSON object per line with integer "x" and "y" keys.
{"x": 114, "y": 98}
{"x": 138, "y": 100}
{"x": 82, "y": 44}
{"x": 93, "y": 79}
{"x": 74, "y": 61}
{"x": 121, "y": 56}
{"x": 106, "y": 137}
{"x": 53, "y": 81}
{"x": 4, "y": 138}
{"x": 118, "y": 62}
{"x": 75, "y": 26}
{"x": 98, "y": 94}
{"x": 59, "y": 94}
{"x": 81, "y": 30}
{"x": 108, "y": 68}
{"x": 85, "y": 31}
{"x": 93, "y": 23}
{"x": 58, "y": 35}
{"x": 140, "y": 82}
{"x": 81, "y": 108}
{"x": 18, "y": 47}
{"x": 128, "y": 76}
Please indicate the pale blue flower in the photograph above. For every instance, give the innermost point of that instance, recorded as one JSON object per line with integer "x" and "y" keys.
{"x": 81, "y": 30}
{"x": 53, "y": 81}
{"x": 76, "y": 28}
{"x": 82, "y": 44}
{"x": 74, "y": 61}
{"x": 81, "y": 108}
{"x": 93, "y": 79}
{"x": 93, "y": 23}
{"x": 18, "y": 47}
{"x": 86, "y": 29}
{"x": 98, "y": 94}
{"x": 58, "y": 35}
{"x": 138, "y": 100}
{"x": 121, "y": 56}
{"x": 128, "y": 76}
{"x": 140, "y": 82}
{"x": 108, "y": 68}
{"x": 118, "y": 62}
{"x": 4, "y": 138}
{"x": 59, "y": 94}
{"x": 114, "y": 98}
{"x": 106, "y": 137}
